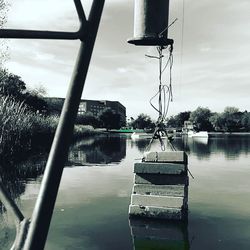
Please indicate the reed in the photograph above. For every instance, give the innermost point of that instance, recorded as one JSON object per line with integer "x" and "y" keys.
{"x": 19, "y": 125}
{"x": 22, "y": 130}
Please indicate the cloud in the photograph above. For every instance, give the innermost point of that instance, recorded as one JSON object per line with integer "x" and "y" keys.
{"x": 210, "y": 69}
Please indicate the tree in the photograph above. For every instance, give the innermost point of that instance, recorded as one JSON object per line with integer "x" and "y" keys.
{"x": 88, "y": 119}
{"x": 110, "y": 119}
{"x": 231, "y": 119}
{"x": 177, "y": 121}
{"x": 35, "y": 102}
{"x": 216, "y": 121}
{"x": 200, "y": 118}
{"x": 11, "y": 85}
{"x": 245, "y": 121}
{"x": 143, "y": 121}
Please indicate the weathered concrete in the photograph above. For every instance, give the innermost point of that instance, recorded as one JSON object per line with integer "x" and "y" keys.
{"x": 158, "y": 235}
{"x": 159, "y": 244}
{"x": 160, "y": 168}
{"x": 168, "y": 190}
{"x": 161, "y": 186}
{"x": 161, "y": 179}
{"x": 144, "y": 231}
{"x": 157, "y": 201}
{"x": 158, "y": 229}
{"x": 175, "y": 157}
{"x": 156, "y": 212}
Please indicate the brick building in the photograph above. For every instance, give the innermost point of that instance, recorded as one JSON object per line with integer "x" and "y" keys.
{"x": 92, "y": 106}
{"x": 95, "y": 107}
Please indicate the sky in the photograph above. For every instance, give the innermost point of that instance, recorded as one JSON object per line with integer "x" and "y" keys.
{"x": 211, "y": 54}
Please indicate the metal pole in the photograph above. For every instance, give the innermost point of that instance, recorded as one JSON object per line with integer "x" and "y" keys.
{"x": 43, "y": 210}
{"x": 10, "y": 205}
{"x": 38, "y": 34}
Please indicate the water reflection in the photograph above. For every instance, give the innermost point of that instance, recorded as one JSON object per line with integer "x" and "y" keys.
{"x": 99, "y": 150}
{"x": 212, "y": 193}
{"x": 141, "y": 144}
{"x": 231, "y": 146}
{"x": 15, "y": 177}
{"x": 159, "y": 235}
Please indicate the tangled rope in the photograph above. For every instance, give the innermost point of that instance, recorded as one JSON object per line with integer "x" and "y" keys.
{"x": 165, "y": 95}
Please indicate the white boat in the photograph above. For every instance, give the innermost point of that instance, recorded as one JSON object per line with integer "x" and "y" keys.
{"x": 138, "y": 135}
{"x": 200, "y": 140}
{"x": 201, "y": 134}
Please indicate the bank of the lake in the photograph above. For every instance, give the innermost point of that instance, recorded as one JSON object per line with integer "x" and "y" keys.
{"x": 23, "y": 130}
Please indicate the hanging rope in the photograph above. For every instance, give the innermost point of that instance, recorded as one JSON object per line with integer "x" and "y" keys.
{"x": 165, "y": 95}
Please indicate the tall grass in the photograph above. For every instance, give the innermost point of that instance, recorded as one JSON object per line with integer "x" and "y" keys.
{"x": 22, "y": 129}
{"x": 19, "y": 125}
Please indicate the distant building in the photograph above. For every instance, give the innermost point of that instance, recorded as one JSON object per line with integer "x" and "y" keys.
{"x": 95, "y": 107}
{"x": 92, "y": 106}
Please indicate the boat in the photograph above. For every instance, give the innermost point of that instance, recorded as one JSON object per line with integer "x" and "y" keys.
{"x": 200, "y": 134}
{"x": 139, "y": 135}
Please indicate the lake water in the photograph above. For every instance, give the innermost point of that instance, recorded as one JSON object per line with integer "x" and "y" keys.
{"x": 91, "y": 211}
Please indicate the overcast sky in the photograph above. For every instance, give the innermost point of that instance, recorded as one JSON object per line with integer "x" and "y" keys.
{"x": 214, "y": 71}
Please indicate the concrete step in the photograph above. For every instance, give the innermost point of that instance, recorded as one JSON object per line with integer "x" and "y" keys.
{"x": 164, "y": 190}
{"x": 159, "y": 168}
{"x": 162, "y": 179}
{"x": 157, "y": 201}
{"x": 157, "y": 212}
{"x": 172, "y": 156}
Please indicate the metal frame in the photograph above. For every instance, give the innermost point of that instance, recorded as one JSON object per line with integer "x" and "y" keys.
{"x": 42, "y": 213}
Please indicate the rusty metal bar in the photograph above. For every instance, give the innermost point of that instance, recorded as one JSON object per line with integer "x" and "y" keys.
{"x": 43, "y": 210}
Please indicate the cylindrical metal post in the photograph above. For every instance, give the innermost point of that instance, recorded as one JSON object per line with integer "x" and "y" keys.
{"x": 150, "y": 20}
{"x": 43, "y": 210}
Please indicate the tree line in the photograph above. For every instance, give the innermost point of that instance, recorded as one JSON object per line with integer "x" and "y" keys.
{"x": 203, "y": 119}
{"x": 230, "y": 120}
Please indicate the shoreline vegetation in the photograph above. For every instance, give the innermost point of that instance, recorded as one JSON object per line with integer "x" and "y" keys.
{"x": 22, "y": 129}
{"x": 28, "y": 122}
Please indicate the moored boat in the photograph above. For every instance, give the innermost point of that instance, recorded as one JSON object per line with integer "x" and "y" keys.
{"x": 201, "y": 134}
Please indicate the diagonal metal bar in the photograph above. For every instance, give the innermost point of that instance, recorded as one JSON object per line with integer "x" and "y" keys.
{"x": 21, "y": 223}
{"x": 80, "y": 12}
{"x": 10, "y": 205}
{"x": 43, "y": 210}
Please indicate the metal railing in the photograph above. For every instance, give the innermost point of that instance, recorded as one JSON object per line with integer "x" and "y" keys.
{"x": 43, "y": 210}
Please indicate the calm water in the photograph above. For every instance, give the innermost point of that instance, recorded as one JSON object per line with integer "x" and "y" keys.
{"x": 92, "y": 206}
